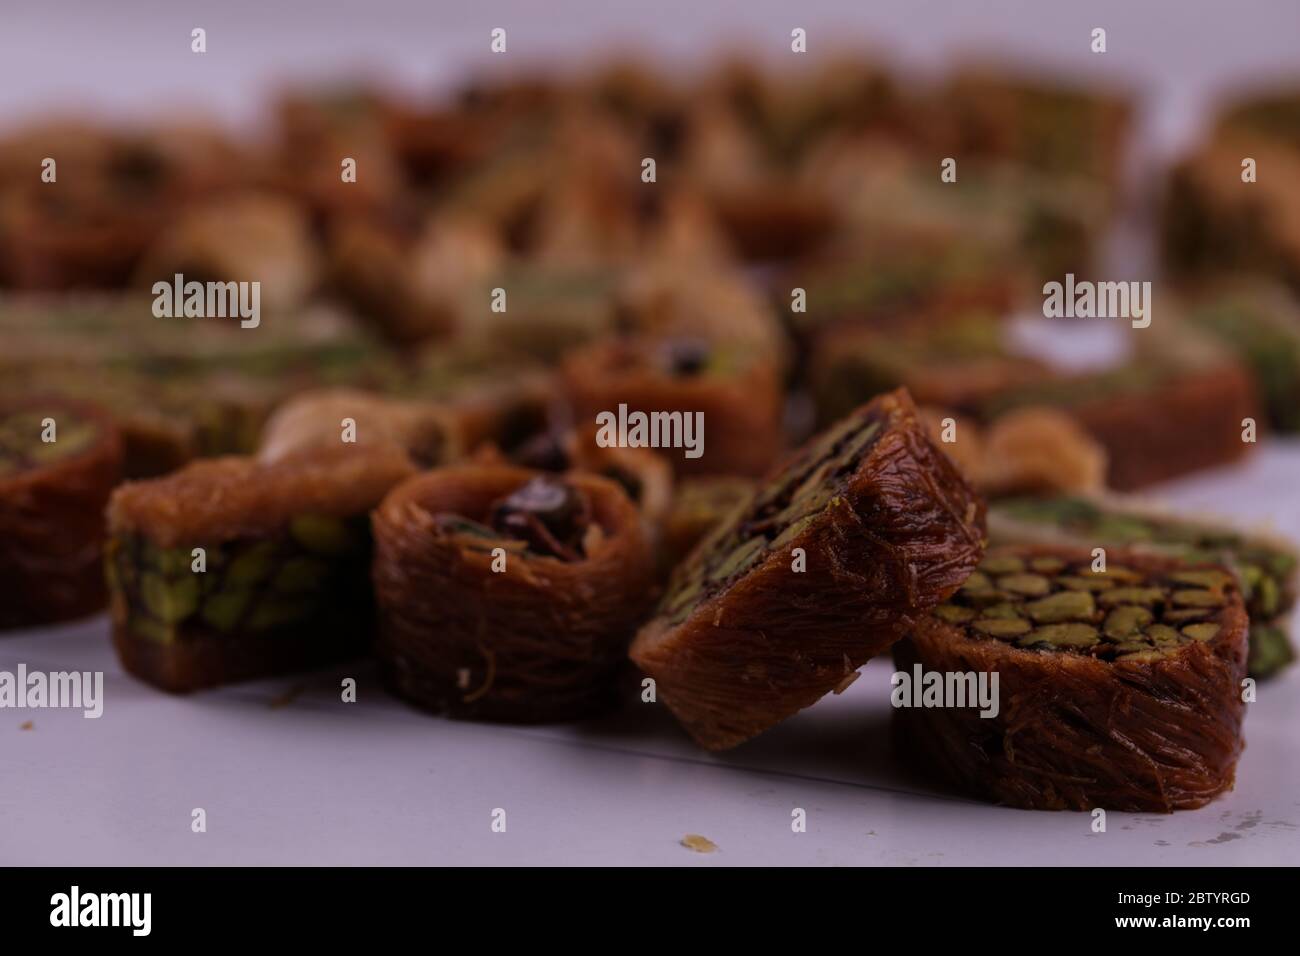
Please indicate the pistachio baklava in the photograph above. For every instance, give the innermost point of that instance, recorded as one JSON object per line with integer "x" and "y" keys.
{"x": 232, "y": 569}
{"x": 1217, "y": 219}
{"x": 864, "y": 529}
{"x": 1265, "y": 566}
{"x": 1117, "y": 688}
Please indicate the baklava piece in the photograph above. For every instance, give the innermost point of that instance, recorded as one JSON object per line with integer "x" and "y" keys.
{"x": 1118, "y": 689}
{"x": 231, "y": 569}
{"x": 509, "y": 594}
{"x": 677, "y": 382}
{"x": 59, "y": 461}
{"x": 425, "y": 431}
{"x": 843, "y": 547}
{"x": 1265, "y": 567}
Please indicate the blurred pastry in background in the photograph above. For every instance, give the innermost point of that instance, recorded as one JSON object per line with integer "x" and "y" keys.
{"x": 1029, "y": 450}
{"x": 722, "y": 403}
{"x": 1258, "y": 321}
{"x": 425, "y": 431}
{"x": 243, "y": 239}
{"x": 1231, "y": 206}
{"x": 1043, "y": 121}
{"x": 59, "y": 461}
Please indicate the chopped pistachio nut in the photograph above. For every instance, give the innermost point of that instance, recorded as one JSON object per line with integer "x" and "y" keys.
{"x": 1033, "y": 585}
{"x": 954, "y": 614}
{"x": 1002, "y": 627}
{"x": 1004, "y": 565}
{"x": 1264, "y": 567}
{"x": 1070, "y": 634}
{"x": 248, "y": 584}
{"x": 1079, "y": 583}
{"x": 1126, "y": 621}
{"x": 811, "y": 484}
{"x": 1064, "y": 607}
{"x": 1202, "y": 632}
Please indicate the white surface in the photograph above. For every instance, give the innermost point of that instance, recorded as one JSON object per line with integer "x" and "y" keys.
{"x": 317, "y": 781}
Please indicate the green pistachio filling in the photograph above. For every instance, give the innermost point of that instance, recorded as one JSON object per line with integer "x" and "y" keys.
{"x": 1265, "y": 570}
{"x": 775, "y": 516}
{"x": 1043, "y": 603}
{"x": 314, "y": 571}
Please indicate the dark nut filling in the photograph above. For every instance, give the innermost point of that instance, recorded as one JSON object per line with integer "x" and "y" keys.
{"x": 546, "y": 513}
{"x": 546, "y": 517}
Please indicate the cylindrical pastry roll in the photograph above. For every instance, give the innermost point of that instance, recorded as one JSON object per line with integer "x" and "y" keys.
{"x": 506, "y": 593}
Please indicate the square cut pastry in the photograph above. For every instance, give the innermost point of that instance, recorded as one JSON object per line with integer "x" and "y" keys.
{"x": 282, "y": 580}
{"x": 1118, "y": 689}
{"x": 860, "y": 532}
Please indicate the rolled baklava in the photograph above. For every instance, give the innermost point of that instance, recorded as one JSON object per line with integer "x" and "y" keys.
{"x": 507, "y": 593}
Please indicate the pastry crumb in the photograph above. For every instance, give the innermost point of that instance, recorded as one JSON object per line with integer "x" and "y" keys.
{"x": 693, "y": 841}
{"x": 27, "y": 725}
